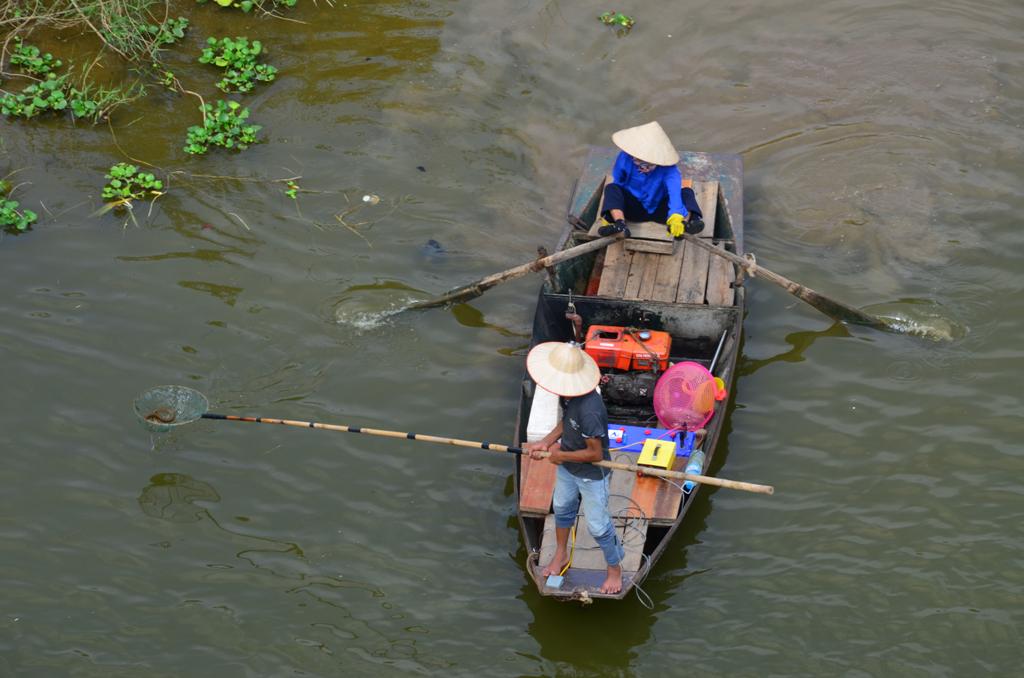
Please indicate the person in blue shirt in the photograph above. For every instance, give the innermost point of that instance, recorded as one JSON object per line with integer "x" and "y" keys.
{"x": 646, "y": 185}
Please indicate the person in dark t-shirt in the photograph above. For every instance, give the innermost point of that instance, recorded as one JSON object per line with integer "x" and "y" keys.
{"x": 581, "y": 437}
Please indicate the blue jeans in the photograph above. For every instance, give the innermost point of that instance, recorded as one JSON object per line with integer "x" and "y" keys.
{"x": 568, "y": 490}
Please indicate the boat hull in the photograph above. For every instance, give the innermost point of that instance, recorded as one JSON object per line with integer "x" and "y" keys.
{"x": 708, "y": 330}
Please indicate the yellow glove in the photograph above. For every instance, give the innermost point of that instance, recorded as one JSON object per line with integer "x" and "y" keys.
{"x": 676, "y": 227}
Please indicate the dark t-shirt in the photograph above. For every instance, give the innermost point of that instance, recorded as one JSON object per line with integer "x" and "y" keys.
{"x": 584, "y": 417}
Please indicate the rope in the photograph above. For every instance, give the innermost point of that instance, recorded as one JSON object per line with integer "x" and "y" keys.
{"x": 572, "y": 547}
{"x": 632, "y": 331}
{"x": 671, "y": 482}
{"x": 572, "y": 317}
{"x": 752, "y": 260}
{"x": 642, "y": 596}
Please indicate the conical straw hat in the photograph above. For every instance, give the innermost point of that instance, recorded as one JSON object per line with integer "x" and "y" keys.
{"x": 563, "y": 369}
{"x": 647, "y": 143}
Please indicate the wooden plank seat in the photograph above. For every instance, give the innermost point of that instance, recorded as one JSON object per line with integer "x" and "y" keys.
{"x": 537, "y": 485}
{"x": 658, "y": 500}
{"x": 651, "y": 246}
{"x": 537, "y": 477}
{"x": 648, "y": 230}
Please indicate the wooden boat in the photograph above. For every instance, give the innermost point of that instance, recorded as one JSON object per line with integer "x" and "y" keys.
{"x": 649, "y": 282}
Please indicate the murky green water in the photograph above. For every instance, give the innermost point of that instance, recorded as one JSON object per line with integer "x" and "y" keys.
{"x": 882, "y": 144}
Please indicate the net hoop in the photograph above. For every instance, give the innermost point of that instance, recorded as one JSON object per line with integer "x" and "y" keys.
{"x": 162, "y": 408}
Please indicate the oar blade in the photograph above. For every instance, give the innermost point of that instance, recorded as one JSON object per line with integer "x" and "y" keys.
{"x": 837, "y": 310}
{"x": 458, "y": 295}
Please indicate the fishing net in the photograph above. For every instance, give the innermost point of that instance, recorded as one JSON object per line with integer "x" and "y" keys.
{"x": 684, "y": 396}
{"x": 162, "y": 408}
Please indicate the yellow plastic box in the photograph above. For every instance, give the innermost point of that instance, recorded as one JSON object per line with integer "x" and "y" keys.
{"x": 658, "y": 453}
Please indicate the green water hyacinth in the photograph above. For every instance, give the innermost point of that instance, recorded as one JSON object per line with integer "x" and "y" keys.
{"x": 237, "y": 56}
{"x": 39, "y": 97}
{"x": 84, "y": 108}
{"x": 170, "y": 31}
{"x": 31, "y": 60}
{"x": 224, "y": 125}
{"x": 11, "y": 216}
{"x": 127, "y": 183}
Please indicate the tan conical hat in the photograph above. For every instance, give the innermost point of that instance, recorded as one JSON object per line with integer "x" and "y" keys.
{"x": 563, "y": 369}
{"x": 648, "y": 143}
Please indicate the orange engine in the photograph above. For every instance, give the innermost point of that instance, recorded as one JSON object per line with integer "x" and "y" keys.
{"x": 624, "y": 348}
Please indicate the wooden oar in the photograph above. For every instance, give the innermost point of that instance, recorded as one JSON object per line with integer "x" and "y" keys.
{"x": 830, "y": 307}
{"x": 475, "y": 289}
{"x": 496, "y": 447}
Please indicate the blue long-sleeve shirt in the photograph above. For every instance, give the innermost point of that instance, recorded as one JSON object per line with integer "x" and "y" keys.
{"x": 650, "y": 188}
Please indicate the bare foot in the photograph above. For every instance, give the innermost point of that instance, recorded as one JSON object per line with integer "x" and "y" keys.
{"x": 613, "y": 582}
{"x": 559, "y": 561}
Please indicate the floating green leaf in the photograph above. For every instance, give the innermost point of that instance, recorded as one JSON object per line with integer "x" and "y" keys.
{"x": 614, "y": 18}
{"x": 127, "y": 183}
{"x": 238, "y": 57}
{"x": 46, "y": 95}
{"x": 29, "y": 58}
{"x": 224, "y": 126}
{"x": 11, "y": 216}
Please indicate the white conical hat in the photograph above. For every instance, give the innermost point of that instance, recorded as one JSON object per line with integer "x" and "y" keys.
{"x": 564, "y": 369}
{"x": 648, "y": 143}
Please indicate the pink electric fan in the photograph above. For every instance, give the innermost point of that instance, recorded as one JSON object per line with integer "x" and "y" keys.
{"x": 684, "y": 397}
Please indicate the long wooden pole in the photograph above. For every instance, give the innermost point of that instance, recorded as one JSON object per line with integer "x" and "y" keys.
{"x": 497, "y": 447}
{"x": 475, "y": 289}
{"x": 830, "y": 307}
